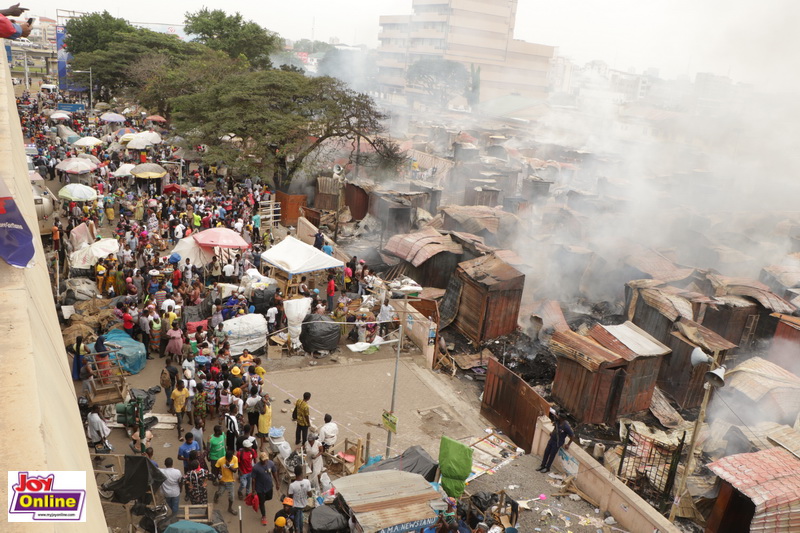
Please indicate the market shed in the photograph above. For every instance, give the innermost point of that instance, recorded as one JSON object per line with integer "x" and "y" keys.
{"x": 643, "y": 353}
{"x": 758, "y": 492}
{"x": 430, "y": 257}
{"x": 491, "y": 292}
{"x": 291, "y": 258}
{"x": 492, "y": 223}
{"x": 388, "y": 501}
{"x": 760, "y": 386}
{"x": 676, "y": 376}
{"x": 786, "y": 341}
{"x": 589, "y": 378}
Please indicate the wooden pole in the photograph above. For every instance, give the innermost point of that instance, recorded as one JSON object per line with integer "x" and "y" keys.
{"x": 690, "y": 460}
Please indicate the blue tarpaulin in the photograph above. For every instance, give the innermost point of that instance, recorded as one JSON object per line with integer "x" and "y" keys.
{"x": 132, "y": 356}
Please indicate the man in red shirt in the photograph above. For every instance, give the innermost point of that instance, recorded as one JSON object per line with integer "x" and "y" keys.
{"x": 331, "y": 292}
{"x": 247, "y": 456}
{"x": 177, "y": 275}
{"x": 127, "y": 321}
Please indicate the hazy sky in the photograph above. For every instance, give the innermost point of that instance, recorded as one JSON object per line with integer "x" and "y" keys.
{"x": 751, "y": 41}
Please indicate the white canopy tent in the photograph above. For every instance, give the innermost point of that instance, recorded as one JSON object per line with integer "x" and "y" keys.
{"x": 188, "y": 248}
{"x": 87, "y": 257}
{"x": 296, "y": 257}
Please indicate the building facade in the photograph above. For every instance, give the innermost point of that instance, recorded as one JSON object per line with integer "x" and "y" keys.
{"x": 477, "y": 33}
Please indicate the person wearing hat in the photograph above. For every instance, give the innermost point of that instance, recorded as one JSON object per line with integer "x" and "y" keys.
{"x": 287, "y": 513}
{"x": 561, "y": 431}
{"x": 246, "y": 456}
{"x": 236, "y": 378}
{"x": 448, "y": 520}
{"x": 280, "y": 525}
{"x": 482, "y": 527}
{"x": 263, "y": 480}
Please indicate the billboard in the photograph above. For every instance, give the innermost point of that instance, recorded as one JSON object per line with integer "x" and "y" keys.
{"x": 63, "y": 57}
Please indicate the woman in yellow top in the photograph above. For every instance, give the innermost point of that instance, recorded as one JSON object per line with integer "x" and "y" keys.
{"x": 264, "y": 422}
{"x": 100, "y": 274}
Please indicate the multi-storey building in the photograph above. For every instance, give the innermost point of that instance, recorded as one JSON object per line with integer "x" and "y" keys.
{"x": 477, "y": 33}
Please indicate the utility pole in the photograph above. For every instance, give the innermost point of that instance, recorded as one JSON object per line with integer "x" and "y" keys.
{"x": 396, "y": 370}
{"x": 91, "y": 85}
{"x": 27, "y": 74}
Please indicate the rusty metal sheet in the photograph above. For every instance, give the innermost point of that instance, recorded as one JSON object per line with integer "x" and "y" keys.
{"x": 418, "y": 247}
{"x": 628, "y": 340}
{"x": 492, "y": 272}
{"x": 663, "y": 410}
{"x": 583, "y": 350}
{"x": 512, "y": 405}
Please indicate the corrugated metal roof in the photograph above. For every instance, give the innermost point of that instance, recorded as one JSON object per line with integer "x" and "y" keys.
{"x": 786, "y": 275}
{"x": 752, "y": 289}
{"x": 787, "y": 438}
{"x": 552, "y": 316}
{"x": 418, "y": 247}
{"x": 386, "y": 498}
{"x": 757, "y": 378}
{"x": 771, "y": 479}
{"x": 659, "y": 267}
{"x": 583, "y": 350}
{"x": 628, "y": 340}
{"x": 478, "y": 218}
{"x": 490, "y": 270}
{"x": 703, "y": 337}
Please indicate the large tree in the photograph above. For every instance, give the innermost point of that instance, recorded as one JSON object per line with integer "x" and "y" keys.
{"x": 264, "y": 121}
{"x": 111, "y": 65}
{"x": 442, "y": 79}
{"x": 233, "y": 35}
{"x": 94, "y": 31}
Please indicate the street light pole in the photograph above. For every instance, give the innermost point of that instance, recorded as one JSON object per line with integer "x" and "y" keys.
{"x": 708, "y": 385}
{"x": 396, "y": 370}
{"x": 91, "y": 84}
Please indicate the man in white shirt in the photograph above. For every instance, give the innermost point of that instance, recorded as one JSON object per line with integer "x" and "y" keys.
{"x": 272, "y": 316}
{"x": 172, "y": 485}
{"x": 179, "y": 229}
{"x": 228, "y": 270}
{"x": 299, "y": 491}
{"x": 313, "y": 449}
{"x": 328, "y": 433}
{"x": 168, "y": 302}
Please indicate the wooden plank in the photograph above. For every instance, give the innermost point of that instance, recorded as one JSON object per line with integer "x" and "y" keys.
{"x": 467, "y": 361}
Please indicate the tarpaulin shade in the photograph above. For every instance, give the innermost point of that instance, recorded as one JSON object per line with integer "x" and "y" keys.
{"x": 415, "y": 459}
{"x": 296, "y": 257}
{"x": 87, "y": 257}
{"x": 77, "y": 192}
{"x": 188, "y": 248}
{"x": 140, "y": 475}
{"x": 455, "y": 463}
{"x": 221, "y": 237}
{"x": 131, "y": 355}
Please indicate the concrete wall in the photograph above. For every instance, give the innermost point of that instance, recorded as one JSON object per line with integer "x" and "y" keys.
{"x": 419, "y": 328}
{"x": 41, "y": 425}
{"x": 631, "y": 511}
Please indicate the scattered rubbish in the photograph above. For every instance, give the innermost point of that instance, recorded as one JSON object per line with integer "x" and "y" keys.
{"x": 574, "y": 497}
{"x": 596, "y": 510}
{"x": 610, "y": 521}
{"x": 542, "y": 496}
{"x": 585, "y": 442}
{"x": 547, "y": 512}
{"x": 287, "y": 400}
{"x": 284, "y": 410}
{"x": 512, "y": 487}
{"x": 555, "y": 476}
{"x": 167, "y": 445}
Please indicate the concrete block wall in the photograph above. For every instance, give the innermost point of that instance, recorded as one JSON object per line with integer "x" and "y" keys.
{"x": 627, "y": 507}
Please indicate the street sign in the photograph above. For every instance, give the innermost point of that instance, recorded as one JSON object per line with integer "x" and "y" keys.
{"x": 389, "y": 422}
{"x": 72, "y": 108}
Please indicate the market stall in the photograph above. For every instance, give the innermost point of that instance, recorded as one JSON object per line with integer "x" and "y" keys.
{"x": 388, "y": 501}
{"x": 291, "y": 258}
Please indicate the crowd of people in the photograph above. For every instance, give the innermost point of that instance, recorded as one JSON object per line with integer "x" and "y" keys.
{"x": 204, "y": 383}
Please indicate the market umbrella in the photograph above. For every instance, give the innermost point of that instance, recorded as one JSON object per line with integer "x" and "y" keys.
{"x": 76, "y": 165}
{"x": 87, "y": 141}
{"x": 151, "y": 136}
{"x": 112, "y": 117}
{"x": 102, "y": 106}
{"x": 152, "y": 202}
{"x": 149, "y": 170}
{"x": 174, "y": 187}
{"x": 86, "y": 257}
{"x": 123, "y": 131}
{"x": 123, "y": 170}
{"x": 222, "y": 237}
{"x": 156, "y": 118}
{"x": 126, "y": 138}
{"x": 138, "y": 143}
{"x": 90, "y": 157}
{"x": 77, "y": 192}
{"x": 188, "y": 248}
{"x": 60, "y": 115}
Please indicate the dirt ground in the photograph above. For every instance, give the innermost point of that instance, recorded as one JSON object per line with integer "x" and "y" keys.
{"x": 522, "y": 483}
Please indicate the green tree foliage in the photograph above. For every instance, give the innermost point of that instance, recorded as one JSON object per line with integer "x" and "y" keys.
{"x": 94, "y": 31}
{"x": 442, "y": 79}
{"x": 161, "y": 77}
{"x": 111, "y": 66}
{"x": 271, "y": 121}
{"x": 234, "y": 36}
{"x": 311, "y": 47}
